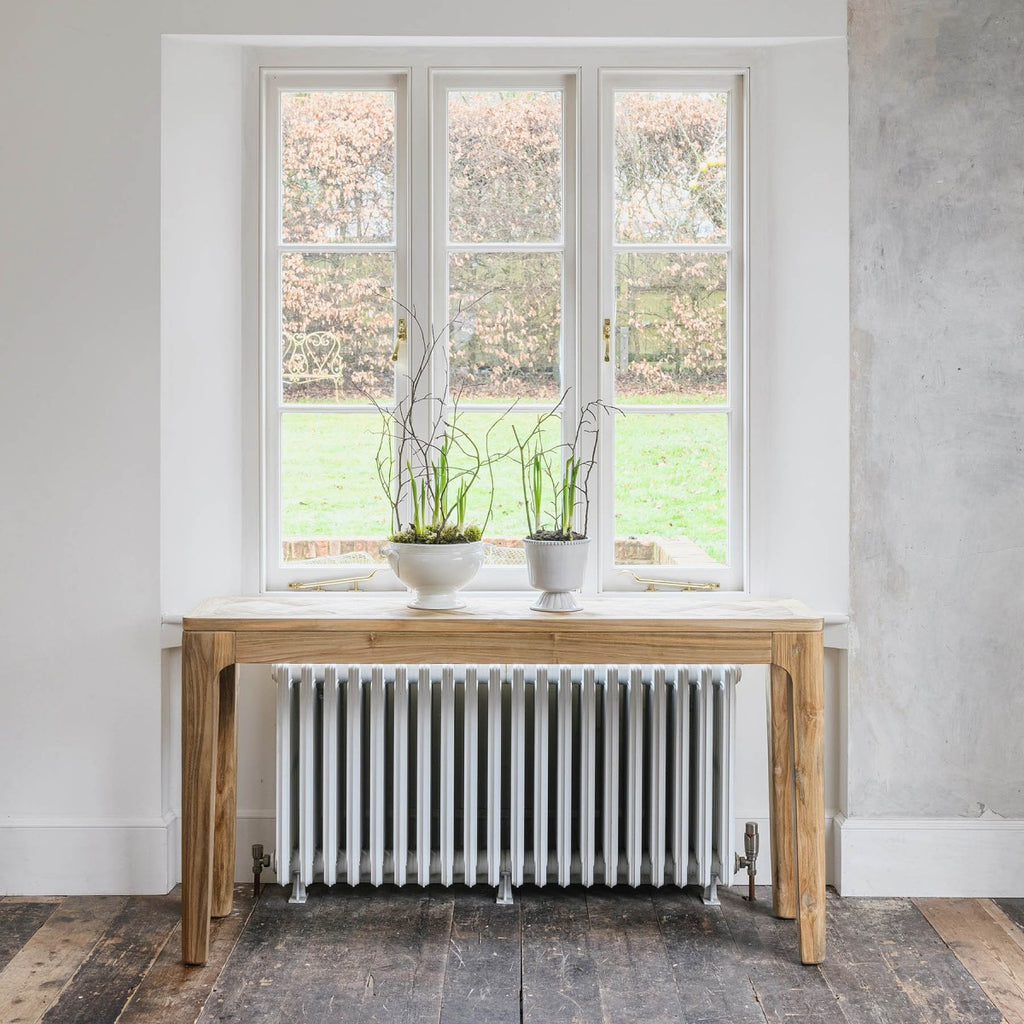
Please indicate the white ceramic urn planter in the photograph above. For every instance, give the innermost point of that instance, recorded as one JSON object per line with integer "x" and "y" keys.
{"x": 434, "y": 573}
{"x": 556, "y": 567}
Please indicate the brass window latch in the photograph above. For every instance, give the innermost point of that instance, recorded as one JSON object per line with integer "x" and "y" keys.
{"x": 401, "y": 335}
{"x": 322, "y": 584}
{"x": 677, "y": 584}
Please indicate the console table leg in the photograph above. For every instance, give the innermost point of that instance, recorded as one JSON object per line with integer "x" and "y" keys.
{"x": 204, "y": 656}
{"x": 226, "y": 813}
{"x": 802, "y": 655}
{"x": 780, "y": 793}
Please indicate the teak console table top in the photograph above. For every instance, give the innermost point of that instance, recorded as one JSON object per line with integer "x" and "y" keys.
{"x": 223, "y": 633}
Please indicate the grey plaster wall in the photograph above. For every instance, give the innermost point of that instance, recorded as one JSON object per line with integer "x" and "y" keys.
{"x": 936, "y": 723}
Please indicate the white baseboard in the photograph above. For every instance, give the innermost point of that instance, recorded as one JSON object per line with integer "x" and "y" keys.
{"x": 62, "y": 857}
{"x": 866, "y": 856}
{"x": 969, "y": 857}
{"x": 252, "y": 827}
{"x": 65, "y": 857}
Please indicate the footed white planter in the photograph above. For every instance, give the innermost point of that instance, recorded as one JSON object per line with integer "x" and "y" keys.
{"x": 435, "y": 572}
{"x": 556, "y": 567}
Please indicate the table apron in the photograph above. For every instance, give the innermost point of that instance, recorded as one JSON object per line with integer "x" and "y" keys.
{"x": 542, "y": 647}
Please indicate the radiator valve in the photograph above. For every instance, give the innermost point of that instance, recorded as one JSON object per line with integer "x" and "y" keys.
{"x": 751, "y": 846}
{"x": 259, "y": 862}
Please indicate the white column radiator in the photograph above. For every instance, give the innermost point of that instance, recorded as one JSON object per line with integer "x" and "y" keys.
{"x": 545, "y": 774}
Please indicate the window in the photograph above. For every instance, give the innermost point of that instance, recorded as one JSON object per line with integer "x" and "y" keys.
{"x": 672, "y": 269}
{"x": 581, "y": 230}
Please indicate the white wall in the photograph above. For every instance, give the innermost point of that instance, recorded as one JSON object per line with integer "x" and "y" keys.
{"x": 799, "y": 361}
{"x": 202, "y": 166}
{"x": 94, "y": 469}
{"x": 80, "y": 699}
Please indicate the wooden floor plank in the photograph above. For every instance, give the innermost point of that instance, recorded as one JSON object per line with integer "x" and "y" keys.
{"x": 711, "y": 974}
{"x": 402, "y": 951}
{"x": 560, "y": 984}
{"x": 786, "y": 989}
{"x": 579, "y": 956}
{"x": 32, "y": 899}
{"x": 360, "y": 955}
{"x": 172, "y": 993}
{"x": 35, "y": 976}
{"x": 633, "y": 968}
{"x": 19, "y": 921}
{"x": 483, "y": 979}
{"x": 938, "y": 980}
{"x": 1013, "y": 909}
{"x": 887, "y": 966}
{"x": 856, "y": 969}
{"x": 987, "y": 943}
{"x": 256, "y": 981}
{"x": 117, "y": 963}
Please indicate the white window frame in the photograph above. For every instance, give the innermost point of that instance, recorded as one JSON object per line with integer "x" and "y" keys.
{"x": 587, "y": 76}
{"x": 274, "y": 83}
{"x": 565, "y": 81}
{"x": 732, "y": 575}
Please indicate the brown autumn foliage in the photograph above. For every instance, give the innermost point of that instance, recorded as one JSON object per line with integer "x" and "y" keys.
{"x": 505, "y": 185}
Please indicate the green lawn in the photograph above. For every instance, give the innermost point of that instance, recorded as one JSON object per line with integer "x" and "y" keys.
{"x": 670, "y": 480}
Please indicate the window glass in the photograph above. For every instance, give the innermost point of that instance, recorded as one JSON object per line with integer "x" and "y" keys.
{"x": 506, "y": 269}
{"x": 670, "y": 489}
{"x": 332, "y": 506}
{"x": 337, "y": 326}
{"x": 670, "y": 342}
{"x": 336, "y": 270}
{"x": 504, "y": 166}
{"x": 670, "y": 335}
{"x": 338, "y": 166}
{"x": 670, "y": 166}
{"x": 507, "y": 314}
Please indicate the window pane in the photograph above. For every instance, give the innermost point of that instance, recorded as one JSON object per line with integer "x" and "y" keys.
{"x": 669, "y": 344}
{"x": 670, "y": 479}
{"x": 507, "y": 525}
{"x": 337, "y": 166}
{"x": 505, "y": 166}
{"x": 670, "y": 171}
{"x": 332, "y": 505}
{"x": 337, "y": 329}
{"x": 507, "y": 309}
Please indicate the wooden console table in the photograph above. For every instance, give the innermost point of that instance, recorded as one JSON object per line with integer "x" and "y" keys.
{"x": 628, "y": 629}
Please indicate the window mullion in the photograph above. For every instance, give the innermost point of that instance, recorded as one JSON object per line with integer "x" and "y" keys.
{"x": 341, "y": 248}
{"x": 599, "y": 307}
{"x": 670, "y": 247}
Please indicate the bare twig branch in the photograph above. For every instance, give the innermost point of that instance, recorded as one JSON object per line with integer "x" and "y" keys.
{"x": 425, "y": 452}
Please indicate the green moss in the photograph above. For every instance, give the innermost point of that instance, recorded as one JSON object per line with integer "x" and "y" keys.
{"x": 431, "y": 535}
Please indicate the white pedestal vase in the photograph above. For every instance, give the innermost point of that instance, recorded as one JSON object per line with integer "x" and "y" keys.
{"x": 556, "y": 567}
{"x": 434, "y": 573}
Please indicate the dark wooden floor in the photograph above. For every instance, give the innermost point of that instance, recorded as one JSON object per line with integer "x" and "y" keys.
{"x": 572, "y": 955}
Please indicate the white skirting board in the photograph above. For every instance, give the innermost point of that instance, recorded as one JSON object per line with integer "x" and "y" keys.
{"x": 91, "y": 857}
{"x": 968, "y": 857}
